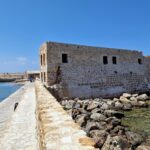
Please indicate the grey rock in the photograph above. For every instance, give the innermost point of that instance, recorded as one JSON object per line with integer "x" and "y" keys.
{"x": 113, "y": 121}
{"x": 96, "y": 110}
{"x": 127, "y": 106}
{"x": 119, "y": 143}
{"x": 115, "y": 99}
{"x": 92, "y": 105}
{"x": 124, "y": 100}
{"x": 133, "y": 99}
{"x": 134, "y": 138}
{"x": 107, "y": 143}
{"x": 77, "y": 105}
{"x": 97, "y": 117}
{"x": 118, "y": 105}
{"x": 143, "y": 147}
{"x": 126, "y": 95}
{"x": 98, "y": 133}
{"x": 134, "y": 95}
{"x": 134, "y": 103}
{"x": 117, "y": 129}
{"x": 143, "y": 104}
{"x": 81, "y": 120}
{"x": 76, "y": 112}
{"x": 91, "y": 126}
{"x": 68, "y": 104}
{"x": 105, "y": 106}
{"x": 142, "y": 97}
{"x": 110, "y": 113}
{"x": 99, "y": 136}
{"x": 110, "y": 102}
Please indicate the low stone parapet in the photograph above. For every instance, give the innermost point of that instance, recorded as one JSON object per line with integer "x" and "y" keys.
{"x": 57, "y": 130}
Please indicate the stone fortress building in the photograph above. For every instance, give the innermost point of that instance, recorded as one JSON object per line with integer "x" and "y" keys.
{"x": 85, "y": 71}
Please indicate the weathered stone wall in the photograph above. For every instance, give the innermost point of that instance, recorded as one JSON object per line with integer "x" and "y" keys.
{"x": 85, "y": 74}
{"x": 148, "y": 70}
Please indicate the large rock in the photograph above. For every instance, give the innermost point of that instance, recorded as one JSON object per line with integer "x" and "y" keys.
{"x": 118, "y": 105}
{"x": 77, "y": 105}
{"x": 96, "y": 110}
{"x": 143, "y": 104}
{"x": 85, "y": 104}
{"x": 135, "y": 103}
{"x": 105, "y": 106}
{"x": 81, "y": 120}
{"x": 97, "y": 117}
{"x": 133, "y": 99}
{"x": 119, "y": 143}
{"x": 93, "y": 126}
{"x": 143, "y": 147}
{"x": 124, "y": 100}
{"x": 134, "y": 138}
{"x": 92, "y": 105}
{"x": 127, "y": 106}
{"x": 142, "y": 97}
{"x": 110, "y": 113}
{"x": 98, "y": 133}
{"x": 115, "y": 99}
{"x": 107, "y": 143}
{"x": 68, "y": 104}
{"x": 76, "y": 112}
{"x": 99, "y": 137}
{"x": 117, "y": 129}
{"x": 126, "y": 95}
{"x": 134, "y": 95}
{"x": 113, "y": 121}
{"x": 115, "y": 143}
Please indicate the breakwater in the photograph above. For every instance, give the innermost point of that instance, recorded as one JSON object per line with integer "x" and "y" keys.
{"x": 102, "y": 120}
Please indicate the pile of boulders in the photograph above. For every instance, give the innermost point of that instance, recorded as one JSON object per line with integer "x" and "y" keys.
{"x": 101, "y": 119}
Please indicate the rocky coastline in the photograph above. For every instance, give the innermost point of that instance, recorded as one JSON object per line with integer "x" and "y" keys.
{"x": 101, "y": 119}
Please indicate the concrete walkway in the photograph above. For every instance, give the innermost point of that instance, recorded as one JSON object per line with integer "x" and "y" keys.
{"x": 58, "y": 130}
{"x": 21, "y": 133}
{"x": 7, "y": 108}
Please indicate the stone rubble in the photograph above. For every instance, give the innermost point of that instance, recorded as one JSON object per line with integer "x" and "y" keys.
{"x": 101, "y": 119}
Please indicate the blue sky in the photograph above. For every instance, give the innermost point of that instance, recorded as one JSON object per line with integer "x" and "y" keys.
{"x": 25, "y": 25}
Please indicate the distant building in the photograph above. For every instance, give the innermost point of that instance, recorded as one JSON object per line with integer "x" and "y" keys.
{"x": 85, "y": 71}
{"x": 33, "y": 74}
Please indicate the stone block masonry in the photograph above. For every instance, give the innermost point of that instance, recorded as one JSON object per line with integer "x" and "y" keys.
{"x": 84, "y": 71}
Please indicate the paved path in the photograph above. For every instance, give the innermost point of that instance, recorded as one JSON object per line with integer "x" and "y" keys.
{"x": 21, "y": 133}
{"x": 7, "y": 108}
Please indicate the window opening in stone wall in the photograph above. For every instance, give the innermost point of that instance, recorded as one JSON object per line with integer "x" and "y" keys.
{"x": 140, "y": 61}
{"x": 64, "y": 58}
{"x": 105, "y": 60}
{"x": 44, "y": 77}
{"x": 41, "y": 60}
{"x": 114, "y": 60}
{"x": 41, "y": 77}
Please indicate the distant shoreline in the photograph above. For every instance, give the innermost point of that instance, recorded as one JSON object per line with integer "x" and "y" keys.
{"x": 7, "y": 80}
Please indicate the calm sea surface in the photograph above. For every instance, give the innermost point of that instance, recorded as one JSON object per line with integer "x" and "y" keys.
{"x": 7, "y": 89}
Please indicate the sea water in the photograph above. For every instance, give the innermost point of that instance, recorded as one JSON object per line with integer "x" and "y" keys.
{"x": 7, "y": 89}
